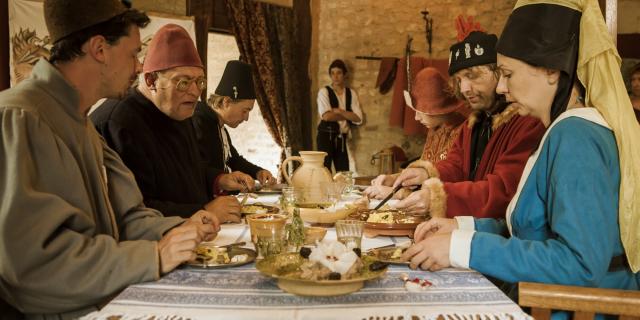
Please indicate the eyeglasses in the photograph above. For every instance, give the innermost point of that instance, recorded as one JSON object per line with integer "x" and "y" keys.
{"x": 183, "y": 84}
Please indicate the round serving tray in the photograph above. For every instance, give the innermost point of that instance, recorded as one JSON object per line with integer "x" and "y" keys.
{"x": 319, "y": 288}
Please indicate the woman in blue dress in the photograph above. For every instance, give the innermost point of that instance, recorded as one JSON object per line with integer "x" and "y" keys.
{"x": 575, "y": 219}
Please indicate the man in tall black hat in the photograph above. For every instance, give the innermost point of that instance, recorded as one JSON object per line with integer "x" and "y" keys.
{"x": 74, "y": 230}
{"x": 151, "y": 130}
{"x": 483, "y": 167}
{"x": 233, "y": 101}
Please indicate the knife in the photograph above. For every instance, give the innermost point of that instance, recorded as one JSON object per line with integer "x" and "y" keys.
{"x": 398, "y": 187}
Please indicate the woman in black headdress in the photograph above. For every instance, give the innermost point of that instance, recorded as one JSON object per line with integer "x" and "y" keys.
{"x": 562, "y": 225}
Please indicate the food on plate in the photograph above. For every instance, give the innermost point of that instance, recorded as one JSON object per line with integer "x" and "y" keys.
{"x": 217, "y": 255}
{"x": 251, "y": 209}
{"x": 240, "y": 258}
{"x": 330, "y": 260}
{"x": 385, "y": 215}
{"x": 397, "y": 253}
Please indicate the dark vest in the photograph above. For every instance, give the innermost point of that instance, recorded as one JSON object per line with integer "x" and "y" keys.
{"x": 332, "y": 126}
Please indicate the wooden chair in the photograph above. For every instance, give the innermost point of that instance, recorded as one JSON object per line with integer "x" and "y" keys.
{"x": 584, "y": 302}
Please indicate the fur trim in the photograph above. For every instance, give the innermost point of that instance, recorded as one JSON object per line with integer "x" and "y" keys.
{"x": 499, "y": 119}
{"x": 472, "y": 119}
{"x": 427, "y": 166}
{"x": 504, "y": 116}
{"x": 438, "y": 198}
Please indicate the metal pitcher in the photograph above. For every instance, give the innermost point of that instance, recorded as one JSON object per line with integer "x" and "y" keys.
{"x": 386, "y": 161}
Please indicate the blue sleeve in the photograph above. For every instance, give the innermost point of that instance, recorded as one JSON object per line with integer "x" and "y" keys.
{"x": 490, "y": 225}
{"x": 577, "y": 180}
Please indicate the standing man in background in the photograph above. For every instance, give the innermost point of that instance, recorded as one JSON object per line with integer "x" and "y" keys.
{"x": 339, "y": 108}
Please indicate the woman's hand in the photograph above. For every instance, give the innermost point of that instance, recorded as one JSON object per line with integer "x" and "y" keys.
{"x": 434, "y": 226}
{"x": 430, "y": 254}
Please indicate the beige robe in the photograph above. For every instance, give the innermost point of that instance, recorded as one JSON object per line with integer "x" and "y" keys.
{"x": 73, "y": 228}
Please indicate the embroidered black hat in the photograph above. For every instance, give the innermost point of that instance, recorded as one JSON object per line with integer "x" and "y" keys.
{"x": 478, "y": 48}
{"x": 64, "y": 17}
{"x": 236, "y": 82}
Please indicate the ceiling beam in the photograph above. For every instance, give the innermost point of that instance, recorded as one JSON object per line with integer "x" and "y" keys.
{"x": 282, "y": 3}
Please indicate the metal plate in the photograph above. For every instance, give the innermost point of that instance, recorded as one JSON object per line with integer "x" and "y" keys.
{"x": 272, "y": 189}
{"x": 384, "y": 255}
{"x": 233, "y": 251}
{"x": 249, "y": 209}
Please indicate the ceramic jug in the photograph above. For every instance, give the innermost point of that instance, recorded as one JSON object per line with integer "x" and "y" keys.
{"x": 311, "y": 178}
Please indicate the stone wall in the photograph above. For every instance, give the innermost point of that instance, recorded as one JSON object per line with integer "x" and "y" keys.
{"x": 177, "y": 7}
{"x": 346, "y": 29}
{"x": 251, "y": 138}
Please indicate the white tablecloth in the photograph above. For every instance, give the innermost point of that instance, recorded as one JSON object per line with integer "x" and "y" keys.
{"x": 243, "y": 293}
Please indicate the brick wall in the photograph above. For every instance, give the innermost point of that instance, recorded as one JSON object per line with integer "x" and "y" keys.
{"x": 345, "y": 29}
{"x": 251, "y": 138}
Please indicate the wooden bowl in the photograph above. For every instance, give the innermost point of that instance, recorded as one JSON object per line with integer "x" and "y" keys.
{"x": 324, "y": 218}
{"x": 313, "y": 234}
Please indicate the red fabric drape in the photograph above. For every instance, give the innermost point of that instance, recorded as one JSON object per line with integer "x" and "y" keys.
{"x": 401, "y": 115}
{"x": 272, "y": 40}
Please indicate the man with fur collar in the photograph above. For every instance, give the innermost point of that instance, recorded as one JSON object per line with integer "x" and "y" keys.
{"x": 484, "y": 165}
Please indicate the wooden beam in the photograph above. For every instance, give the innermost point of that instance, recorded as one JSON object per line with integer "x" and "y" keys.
{"x": 4, "y": 45}
{"x": 282, "y": 3}
{"x": 201, "y": 10}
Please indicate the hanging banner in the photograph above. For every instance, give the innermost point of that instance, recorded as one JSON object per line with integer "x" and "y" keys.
{"x": 29, "y": 38}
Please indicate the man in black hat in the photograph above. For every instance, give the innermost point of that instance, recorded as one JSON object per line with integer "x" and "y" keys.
{"x": 73, "y": 227}
{"x": 233, "y": 101}
{"x": 484, "y": 165}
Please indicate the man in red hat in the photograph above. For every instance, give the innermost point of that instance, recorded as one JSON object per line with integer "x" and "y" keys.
{"x": 440, "y": 112}
{"x": 74, "y": 230}
{"x": 484, "y": 165}
{"x": 151, "y": 130}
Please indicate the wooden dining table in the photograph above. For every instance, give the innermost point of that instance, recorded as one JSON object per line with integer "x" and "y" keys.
{"x": 244, "y": 293}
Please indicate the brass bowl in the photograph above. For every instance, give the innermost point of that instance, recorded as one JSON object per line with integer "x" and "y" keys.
{"x": 313, "y": 234}
{"x": 272, "y": 265}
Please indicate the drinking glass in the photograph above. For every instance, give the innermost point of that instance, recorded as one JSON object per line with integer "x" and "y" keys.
{"x": 334, "y": 192}
{"x": 268, "y": 233}
{"x": 347, "y": 178}
{"x": 349, "y": 232}
{"x": 289, "y": 199}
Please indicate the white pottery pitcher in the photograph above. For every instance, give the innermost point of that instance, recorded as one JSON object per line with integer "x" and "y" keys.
{"x": 311, "y": 177}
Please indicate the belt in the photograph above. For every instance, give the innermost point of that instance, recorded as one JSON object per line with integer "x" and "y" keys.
{"x": 618, "y": 263}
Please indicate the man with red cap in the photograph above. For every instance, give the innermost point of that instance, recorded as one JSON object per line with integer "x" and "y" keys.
{"x": 151, "y": 130}
{"x": 484, "y": 164}
{"x": 74, "y": 230}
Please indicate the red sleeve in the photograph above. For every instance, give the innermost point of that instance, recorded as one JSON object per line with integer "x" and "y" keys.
{"x": 489, "y": 197}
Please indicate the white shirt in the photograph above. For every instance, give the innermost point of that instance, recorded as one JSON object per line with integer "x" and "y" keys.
{"x": 324, "y": 106}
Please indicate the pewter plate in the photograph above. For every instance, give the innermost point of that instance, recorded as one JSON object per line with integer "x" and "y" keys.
{"x": 213, "y": 264}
